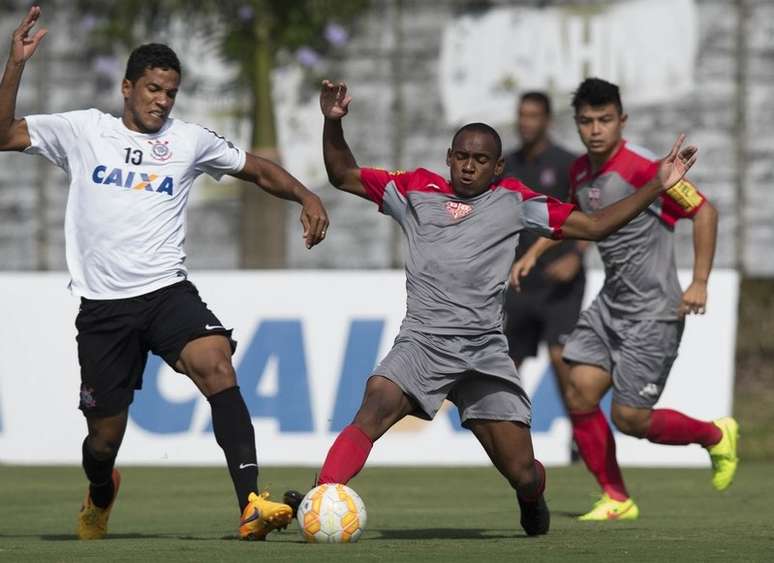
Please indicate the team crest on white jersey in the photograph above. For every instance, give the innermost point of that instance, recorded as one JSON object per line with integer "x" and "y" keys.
{"x": 457, "y": 209}
{"x": 160, "y": 150}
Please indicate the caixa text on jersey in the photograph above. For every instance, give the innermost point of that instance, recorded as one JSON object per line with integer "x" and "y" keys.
{"x": 133, "y": 180}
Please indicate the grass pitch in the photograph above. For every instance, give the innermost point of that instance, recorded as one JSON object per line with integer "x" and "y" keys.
{"x": 456, "y": 514}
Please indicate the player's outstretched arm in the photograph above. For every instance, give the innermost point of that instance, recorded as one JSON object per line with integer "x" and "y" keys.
{"x": 13, "y": 132}
{"x": 598, "y": 225}
{"x": 340, "y": 164}
{"x": 705, "y": 230}
{"x": 280, "y": 183}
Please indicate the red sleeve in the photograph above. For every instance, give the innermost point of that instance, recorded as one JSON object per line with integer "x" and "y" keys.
{"x": 543, "y": 214}
{"x": 376, "y": 181}
{"x": 558, "y": 212}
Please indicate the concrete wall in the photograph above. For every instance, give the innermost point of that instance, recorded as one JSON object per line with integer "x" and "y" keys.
{"x": 391, "y": 65}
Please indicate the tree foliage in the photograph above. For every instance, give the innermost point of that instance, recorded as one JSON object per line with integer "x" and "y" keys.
{"x": 237, "y": 26}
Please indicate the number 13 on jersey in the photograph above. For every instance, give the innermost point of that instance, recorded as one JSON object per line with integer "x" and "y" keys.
{"x": 133, "y": 156}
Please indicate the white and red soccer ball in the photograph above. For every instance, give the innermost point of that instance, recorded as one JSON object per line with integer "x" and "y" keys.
{"x": 332, "y": 514}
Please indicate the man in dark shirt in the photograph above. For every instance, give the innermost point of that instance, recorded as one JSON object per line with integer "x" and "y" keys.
{"x": 544, "y": 305}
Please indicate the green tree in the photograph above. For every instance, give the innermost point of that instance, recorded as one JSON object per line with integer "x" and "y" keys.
{"x": 250, "y": 33}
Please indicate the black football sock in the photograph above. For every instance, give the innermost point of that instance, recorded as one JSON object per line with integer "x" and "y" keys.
{"x": 99, "y": 472}
{"x": 234, "y": 433}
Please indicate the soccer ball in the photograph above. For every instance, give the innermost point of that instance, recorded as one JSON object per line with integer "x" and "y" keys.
{"x": 332, "y": 514}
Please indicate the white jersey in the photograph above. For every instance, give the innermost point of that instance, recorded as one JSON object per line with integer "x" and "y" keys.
{"x": 125, "y": 224}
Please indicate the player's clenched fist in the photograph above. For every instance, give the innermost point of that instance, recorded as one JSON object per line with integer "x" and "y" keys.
{"x": 694, "y": 299}
{"x": 334, "y": 101}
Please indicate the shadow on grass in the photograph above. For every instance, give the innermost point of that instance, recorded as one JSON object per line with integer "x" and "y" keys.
{"x": 566, "y": 514}
{"x": 119, "y": 536}
{"x": 446, "y": 534}
{"x": 609, "y": 526}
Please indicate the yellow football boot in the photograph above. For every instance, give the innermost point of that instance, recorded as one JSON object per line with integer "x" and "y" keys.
{"x": 262, "y": 516}
{"x": 93, "y": 520}
{"x": 723, "y": 454}
{"x": 608, "y": 508}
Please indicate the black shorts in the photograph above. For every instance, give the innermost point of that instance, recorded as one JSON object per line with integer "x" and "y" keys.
{"x": 115, "y": 336}
{"x": 547, "y": 314}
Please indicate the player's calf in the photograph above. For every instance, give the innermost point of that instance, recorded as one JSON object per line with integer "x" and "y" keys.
{"x": 535, "y": 516}
{"x": 529, "y": 481}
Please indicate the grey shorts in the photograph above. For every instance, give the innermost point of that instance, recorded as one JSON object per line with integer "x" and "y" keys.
{"x": 473, "y": 372}
{"x": 638, "y": 353}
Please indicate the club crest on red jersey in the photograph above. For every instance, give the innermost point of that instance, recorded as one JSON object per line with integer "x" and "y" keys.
{"x": 457, "y": 209}
{"x": 160, "y": 150}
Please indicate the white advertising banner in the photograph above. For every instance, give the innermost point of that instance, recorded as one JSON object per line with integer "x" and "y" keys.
{"x": 307, "y": 342}
{"x": 647, "y": 47}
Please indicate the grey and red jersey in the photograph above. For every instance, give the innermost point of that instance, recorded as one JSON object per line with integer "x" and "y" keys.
{"x": 640, "y": 272}
{"x": 460, "y": 250}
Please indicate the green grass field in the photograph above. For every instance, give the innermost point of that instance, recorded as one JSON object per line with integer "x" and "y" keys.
{"x": 457, "y": 514}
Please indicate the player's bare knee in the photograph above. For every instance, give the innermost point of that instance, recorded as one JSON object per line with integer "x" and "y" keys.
{"x": 103, "y": 446}
{"x": 575, "y": 398}
{"x": 631, "y": 423}
{"x": 381, "y": 387}
{"x": 571, "y": 399}
{"x": 375, "y": 416}
{"x": 383, "y": 403}
{"x": 521, "y": 473}
{"x": 213, "y": 372}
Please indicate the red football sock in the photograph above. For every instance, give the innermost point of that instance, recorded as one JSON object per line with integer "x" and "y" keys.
{"x": 676, "y": 429}
{"x": 346, "y": 457}
{"x": 596, "y": 446}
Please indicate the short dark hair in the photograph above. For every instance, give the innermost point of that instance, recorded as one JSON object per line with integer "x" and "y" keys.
{"x": 150, "y": 55}
{"x": 537, "y": 97}
{"x": 596, "y": 92}
{"x": 481, "y": 128}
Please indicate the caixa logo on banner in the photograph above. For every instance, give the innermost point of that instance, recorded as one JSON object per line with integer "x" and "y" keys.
{"x": 282, "y": 342}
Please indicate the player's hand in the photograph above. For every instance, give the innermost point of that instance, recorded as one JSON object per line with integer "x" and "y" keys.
{"x": 520, "y": 269}
{"x": 564, "y": 269}
{"x": 334, "y": 101}
{"x": 694, "y": 299}
{"x": 676, "y": 164}
{"x": 22, "y": 45}
{"x": 314, "y": 220}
